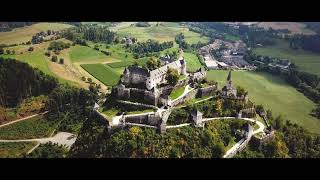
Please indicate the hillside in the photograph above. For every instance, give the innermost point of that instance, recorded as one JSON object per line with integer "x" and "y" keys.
{"x": 275, "y": 94}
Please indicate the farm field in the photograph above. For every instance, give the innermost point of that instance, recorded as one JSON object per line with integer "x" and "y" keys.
{"x": 24, "y": 34}
{"x": 103, "y": 73}
{"x": 15, "y": 149}
{"x": 305, "y": 60}
{"x": 274, "y": 93}
{"x": 36, "y": 127}
{"x": 162, "y": 33}
{"x": 293, "y": 27}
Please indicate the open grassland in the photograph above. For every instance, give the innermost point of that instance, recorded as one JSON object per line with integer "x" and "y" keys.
{"x": 275, "y": 94}
{"x": 15, "y": 149}
{"x": 24, "y": 34}
{"x": 305, "y": 60}
{"x": 87, "y": 55}
{"x": 193, "y": 63}
{"x": 36, "y": 127}
{"x": 66, "y": 73}
{"x": 103, "y": 73}
{"x": 293, "y": 27}
{"x": 163, "y": 32}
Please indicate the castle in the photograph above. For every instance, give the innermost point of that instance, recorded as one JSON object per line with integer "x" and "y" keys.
{"x": 145, "y": 86}
{"x": 137, "y": 75}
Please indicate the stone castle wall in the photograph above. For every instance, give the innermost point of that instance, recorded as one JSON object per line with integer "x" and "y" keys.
{"x": 207, "y": 91}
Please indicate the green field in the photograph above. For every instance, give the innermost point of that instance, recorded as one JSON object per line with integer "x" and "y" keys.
{"x": 275, "y": 94}
{"x": 165, "y": 32}
{"x": 86, "y": 54}
{"x": 103, "y": 73}
{"x": 37, "y": 59}
{"x": 232, "y": 37}
{"x": 305, "y": 60}
{"x": 15, "y": 149}
{"x": 24, "y": 34}
{"x": 36, "y": 127}
{"x": 176, "y": 93}
{"x": 193, "y": 63}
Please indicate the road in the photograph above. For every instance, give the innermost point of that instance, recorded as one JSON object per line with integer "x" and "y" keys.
{"x": 61, "y": 138}
{"x": 22, "y": 119}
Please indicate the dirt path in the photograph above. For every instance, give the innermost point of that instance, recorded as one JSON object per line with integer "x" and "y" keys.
{"x": 22, "y": 119}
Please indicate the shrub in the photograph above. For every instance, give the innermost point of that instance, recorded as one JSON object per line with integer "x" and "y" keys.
{"x": 61, "y": 61}
{"x": 54, "y": 59}
{"x": 47, "y": 53}
{"x": 30, "y": 49}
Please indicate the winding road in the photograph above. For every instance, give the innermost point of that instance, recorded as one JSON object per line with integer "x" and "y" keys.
{"x": 61, "y": 138}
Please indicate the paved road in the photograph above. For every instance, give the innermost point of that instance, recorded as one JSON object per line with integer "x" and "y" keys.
{"x": 61, "y": 138}
{"x": 22, "y": 119}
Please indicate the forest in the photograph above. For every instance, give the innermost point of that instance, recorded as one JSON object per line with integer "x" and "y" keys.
{"x": 142, "y": 49}
{"x": 19, "y": 81}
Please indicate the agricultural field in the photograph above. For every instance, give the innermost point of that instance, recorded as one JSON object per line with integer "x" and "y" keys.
{"x": 15, "y": 149}
{"x": 305, "y": 60}
{"x": 293, "y": 27}
{"x": 273, "y": 93}
{"x": 84, "y": 54}
{"x": 163, "y": 32}
{"x": 36, "y": 127}
{"x": 24, "y": 34}
{"x": 103, "y": 73}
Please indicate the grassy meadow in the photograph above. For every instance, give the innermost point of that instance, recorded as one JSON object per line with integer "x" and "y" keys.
{"x": 103, "y": 73}
{"x": 24, "y": 34}
{"x": 305, "y": 60}
{"x": 274, "y": 93}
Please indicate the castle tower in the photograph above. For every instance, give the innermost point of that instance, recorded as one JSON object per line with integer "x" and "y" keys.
{"x": 183, "y": 66}
{"x": 229, "y": 79}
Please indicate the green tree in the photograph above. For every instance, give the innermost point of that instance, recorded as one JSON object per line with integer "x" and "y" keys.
{"x": 83, "y": 78}
{"x": 153, "y": 64}
{"x": 241, "y": 91}
{"x": 8, "y": 51}
{"x": 89, "y": 80}
{"x": 1, "y": 51}
{"x": 172, "y": 76}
